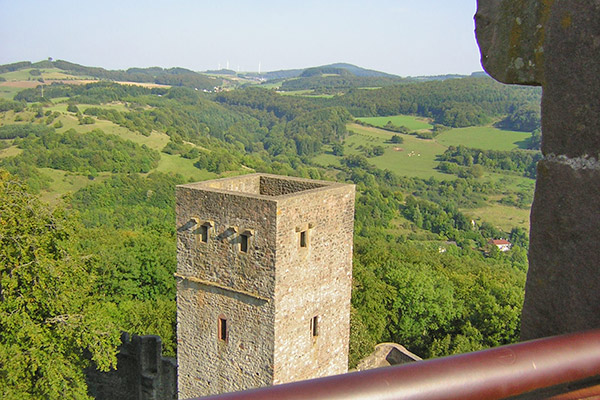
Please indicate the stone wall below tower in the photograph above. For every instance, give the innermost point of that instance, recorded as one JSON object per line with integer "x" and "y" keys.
{"x": 142, "y": 373}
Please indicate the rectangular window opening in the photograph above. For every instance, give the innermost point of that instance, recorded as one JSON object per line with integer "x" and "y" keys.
{"x": 204, "y": 233}
{"x": 303, "y": 239}
{"x": 244, "y": 243}
{"x": 223, "y": 329}
{"x": 314, "y": 326}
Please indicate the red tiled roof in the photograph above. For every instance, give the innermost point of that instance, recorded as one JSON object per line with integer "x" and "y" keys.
{"x": 499, "y": 241}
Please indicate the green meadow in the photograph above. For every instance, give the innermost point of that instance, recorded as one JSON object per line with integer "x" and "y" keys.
{"x": 501, "y": 216}
{"x": 64, "y": 182}
{"x": 411, "y": 122}
{"x": 46, "y": 74}
{"x": 9, "y": 92}
{"x": 184, "y": 167}
{"x": 417, "y": 158}
{"x": 485, "y": 138}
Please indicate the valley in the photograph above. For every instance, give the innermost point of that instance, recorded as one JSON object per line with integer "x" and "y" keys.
{"x": 439, "y": 172}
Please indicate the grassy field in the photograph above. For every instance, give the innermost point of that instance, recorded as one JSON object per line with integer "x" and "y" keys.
{"x": 20, "y": 75}
{"x": 501, "y": 216}
{"x": 184, "y": 167}
{"x": 411, "y": 122}
{"x": 415, "y": 157}
{"x": 46, "y": 73}
{"x": 10, "y": 152}
{"x": 156, "y": 140}
{"x": 485, "y": 138}
{"x": 64, "y": 182}
{"x": 61, "y": 106}
{"x": 8, "y": 92}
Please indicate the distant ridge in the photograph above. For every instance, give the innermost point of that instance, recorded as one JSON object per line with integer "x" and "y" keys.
{"x": 171, "y": 76}
{"x": 358, "y": 71}
{"x": 337, "y": 68}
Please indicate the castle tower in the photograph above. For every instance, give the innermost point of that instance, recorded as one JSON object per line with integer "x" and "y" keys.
{"x": 264, "y": 268}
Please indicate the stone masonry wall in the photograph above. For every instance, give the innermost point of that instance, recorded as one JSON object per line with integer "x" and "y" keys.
{"x": 556, "y": 44}
{"x": 271, "y": 186}
{"x": 220, "y": 280}
{"x": 230, "y": 215}
{"x": 142, "y": 373}
{"x": 240, "y": 184}
{"x": 208, "y": 365}
{"x": 315, "y": 280}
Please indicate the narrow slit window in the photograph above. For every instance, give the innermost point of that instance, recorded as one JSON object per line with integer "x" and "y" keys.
{"x": 304, "y": 239}
{"x": 314, "y": 326}
{"x": 204, "y": 233}
{"x": 223, "y": 334}
{"x": 244, "y": 243}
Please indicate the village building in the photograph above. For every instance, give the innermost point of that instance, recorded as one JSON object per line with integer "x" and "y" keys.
{"x": 501, "y": 244}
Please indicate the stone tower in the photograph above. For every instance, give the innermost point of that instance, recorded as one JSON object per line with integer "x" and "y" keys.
{"x": 264, "y": 278}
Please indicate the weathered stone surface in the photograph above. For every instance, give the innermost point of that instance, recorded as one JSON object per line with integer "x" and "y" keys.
{"x": 269, "y": 294}
{"x": 385, "y": 355}
{"x": 142, "y": 373}
{"x": 556, "y": 43}
{"x": 563, "y": 284}
{"x": 571, "y": 100}
{"x": 511, "y": 36}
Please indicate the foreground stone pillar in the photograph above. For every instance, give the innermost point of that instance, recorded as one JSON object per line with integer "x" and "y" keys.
{"x": 556, "y": 44}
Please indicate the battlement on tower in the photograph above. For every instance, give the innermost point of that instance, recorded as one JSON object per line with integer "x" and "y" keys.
{"x": 262, "y": 185}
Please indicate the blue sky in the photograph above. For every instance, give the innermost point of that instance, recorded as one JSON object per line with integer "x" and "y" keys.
{"x": 407, "y": 38}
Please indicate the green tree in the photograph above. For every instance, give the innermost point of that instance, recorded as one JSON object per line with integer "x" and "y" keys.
{"x": 397, "y": 139}
{"x": 48, "y": 318}
{"x": 337, "y": 149}
{"x": 72, "y": 108}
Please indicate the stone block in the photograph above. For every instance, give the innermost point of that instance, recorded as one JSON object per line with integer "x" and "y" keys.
{"x": 511, "y": 35}
{"x": 563, "y": 284}
{"x": 571, "y": 100}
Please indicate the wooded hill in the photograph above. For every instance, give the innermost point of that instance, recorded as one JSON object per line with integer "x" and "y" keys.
{"x": 108, "y": 156}
{"x": 157, "y": 75}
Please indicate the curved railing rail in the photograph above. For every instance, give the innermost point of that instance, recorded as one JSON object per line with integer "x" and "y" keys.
{"x": 566, "y": 367}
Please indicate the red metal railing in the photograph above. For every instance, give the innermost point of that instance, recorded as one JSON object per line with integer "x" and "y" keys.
{"x": 563, "y": 366}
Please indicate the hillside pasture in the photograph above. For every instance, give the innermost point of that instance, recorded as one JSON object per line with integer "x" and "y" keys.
{"x": 415, "y": 157}
{"x": 485, "y": 138}
{"x": 64, "y": 182}
{"x": 11, "y": 151}
{"x": 8, "y": 92}
{"x": 156, "y": 140}
{"x": 501, "y": 216}
{"x": 411, "y": 122}
{"x": 179, "y": 165}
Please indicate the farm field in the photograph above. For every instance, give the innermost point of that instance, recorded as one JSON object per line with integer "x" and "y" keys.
{"x": 484, "y": 137}
{"x": 46, "y": 73}
{"x": 409, "y": 121}
{"x": 7, "y": 91}
{"x": 501, "y": 216}
{"x": 415, "y": 157}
